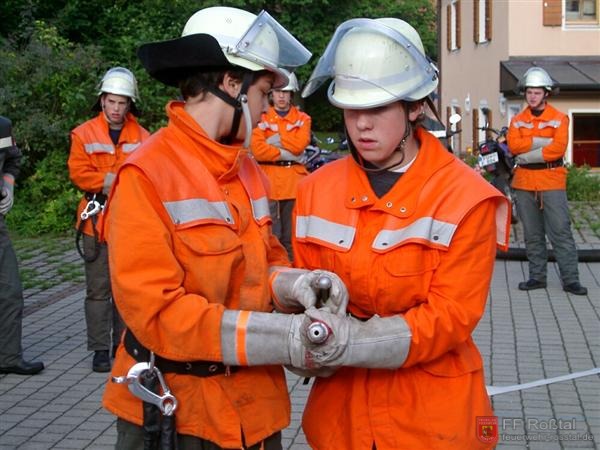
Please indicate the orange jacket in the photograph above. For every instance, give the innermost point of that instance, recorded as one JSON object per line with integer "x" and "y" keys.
{"x": 523, "y": 128}
{"x": 93, "y": 155}
{"x": 425, "y": 250}
{"x": 294, "y": 134}
{"x": 189, "y": 235}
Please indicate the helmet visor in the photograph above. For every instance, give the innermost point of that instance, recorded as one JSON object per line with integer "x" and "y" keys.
{"x": 325, "y": 68}
{"x": 268, "y": 44}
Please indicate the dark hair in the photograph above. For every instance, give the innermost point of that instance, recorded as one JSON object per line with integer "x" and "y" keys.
{"x": 201, "y": 82}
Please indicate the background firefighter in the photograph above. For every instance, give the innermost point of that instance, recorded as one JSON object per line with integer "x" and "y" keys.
{"x": 538, "y": 136}
{"x": 278, "y": 144}
{"x": 98, "y": 148}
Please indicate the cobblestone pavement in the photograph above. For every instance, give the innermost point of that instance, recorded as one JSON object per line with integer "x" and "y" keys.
{"x": 523, "y": 337}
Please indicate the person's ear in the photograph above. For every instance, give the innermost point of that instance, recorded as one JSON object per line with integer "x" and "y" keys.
{"x": 415, "y": 110}
{"x": 231, "y": 85}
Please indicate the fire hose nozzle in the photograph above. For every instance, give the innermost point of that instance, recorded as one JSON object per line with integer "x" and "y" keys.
{"x": 317, "y": 332}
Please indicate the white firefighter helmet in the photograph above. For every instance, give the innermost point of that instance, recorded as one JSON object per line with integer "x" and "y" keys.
{"x": 292, "y": 85}
{"x": 250, "y": 41}
{"x": 536, "y": 77}
{"x": 374, "y": 62}
{"x": 119, "y": 81}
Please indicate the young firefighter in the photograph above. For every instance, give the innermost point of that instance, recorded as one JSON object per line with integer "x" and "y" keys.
{"x": 412, "y": 232}
{"x": 191, "y": 248}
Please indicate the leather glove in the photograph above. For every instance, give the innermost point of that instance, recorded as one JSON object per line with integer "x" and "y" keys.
{"x": 294, "y": 290}
{"x": 108, "y": 181}
{"x": 286, "y": 155}
{"x": 378, "y": 343}
{"x": 531, "y": 157}
{"x": 8, "y": 194}
{"x": 274, "y": 140}
{"x": 540, "y": 142}
{"x": 251, "y": 338}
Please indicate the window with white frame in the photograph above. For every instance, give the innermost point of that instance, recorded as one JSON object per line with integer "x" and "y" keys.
{"x": 581, "y": 12}
{"x": 482, "y": 17}
{"x": 453, "y": 25}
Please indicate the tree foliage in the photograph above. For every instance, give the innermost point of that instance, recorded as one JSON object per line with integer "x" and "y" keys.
{"x": 54, "y": 52}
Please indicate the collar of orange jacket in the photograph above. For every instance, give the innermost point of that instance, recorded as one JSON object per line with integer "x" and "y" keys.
{"x": 221, "y": 160}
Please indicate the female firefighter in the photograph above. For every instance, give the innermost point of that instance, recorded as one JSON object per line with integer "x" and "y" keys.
{"x": 193, "y": 260}
{"x": 412, "y": 232}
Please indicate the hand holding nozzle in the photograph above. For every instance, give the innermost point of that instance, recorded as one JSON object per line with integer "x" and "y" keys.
{"x": 318, "y": 332}
{"x": 322, "y": 286}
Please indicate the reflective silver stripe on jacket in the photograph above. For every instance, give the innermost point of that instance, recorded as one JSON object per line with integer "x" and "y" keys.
{"x": 551, "y": 123}
{"x": 265, "y": 126}
{"x": 97, "y": 147}
{"x": 260, "y": 208}
{"x": 6, "y": 142}
{"x": 128, "y": 148}
{"x": 324, "y": 230}
{"x": 184, "y": 211}
{"x": 296, "y": 124}
{"x": 427, "y": 228}
{"x": 519, "y": 124}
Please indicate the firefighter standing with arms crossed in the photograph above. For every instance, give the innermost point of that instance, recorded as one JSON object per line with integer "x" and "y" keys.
{"x": 11, "y": 291}
{"x": 412, "y": 231}
{"x": 98, "y": 148}
{"x": 278, "y": 144}
{"x": 538, "y": 136}
{"x": 192, "y": 256}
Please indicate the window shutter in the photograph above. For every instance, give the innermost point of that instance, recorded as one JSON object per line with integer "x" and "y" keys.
{"x": 475, "y": 131}
{"x": 488, "y": 20}
{"x": 449, "y": 27}
{"x": 458, "y": 34}
{"x": 552, "y": 13}
{"x": 476, "y": 21}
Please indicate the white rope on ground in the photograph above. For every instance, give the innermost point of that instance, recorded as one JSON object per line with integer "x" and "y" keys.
{"x": 495, "y": 390}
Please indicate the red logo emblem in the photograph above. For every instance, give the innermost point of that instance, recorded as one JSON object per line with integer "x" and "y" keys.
{"x": 487, "y": 429}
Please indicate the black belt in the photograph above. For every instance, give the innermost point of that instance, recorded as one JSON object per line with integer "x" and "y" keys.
{"x": 546, "y": 165}
{"x": 196, "y": 368}
{"x": 279, "y": 163}
{"x": 98, "y": 196}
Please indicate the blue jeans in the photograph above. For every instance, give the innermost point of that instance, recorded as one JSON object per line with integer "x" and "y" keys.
{"x": 547, "y": 213}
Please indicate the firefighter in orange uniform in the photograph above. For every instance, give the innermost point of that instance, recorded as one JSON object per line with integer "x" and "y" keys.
{"x": 412, "y": 232}
{"x": 98, "y": 148}
{"x": 278, "y": 144}
{"x": 192, "y": 256}
{"x": 538, "y": 136}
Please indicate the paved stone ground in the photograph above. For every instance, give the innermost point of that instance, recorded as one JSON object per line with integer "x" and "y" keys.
{"x": 523, "y": 337}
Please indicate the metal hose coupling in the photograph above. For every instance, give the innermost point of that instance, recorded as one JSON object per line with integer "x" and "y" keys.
{"x": 318, "y": 332}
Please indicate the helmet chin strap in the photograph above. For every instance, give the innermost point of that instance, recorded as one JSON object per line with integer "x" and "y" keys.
{"x": 247, "y": 119}
{"x": 240, "y": 106}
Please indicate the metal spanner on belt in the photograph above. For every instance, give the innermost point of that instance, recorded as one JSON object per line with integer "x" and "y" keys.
{"x": 166, "y": 402}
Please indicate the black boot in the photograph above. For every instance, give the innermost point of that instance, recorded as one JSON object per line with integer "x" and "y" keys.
{"x": 24, "y": 368}
{"x": 531, "y": 284}
{"x": 575, "y": 288}
{"x": 101, "y": 362}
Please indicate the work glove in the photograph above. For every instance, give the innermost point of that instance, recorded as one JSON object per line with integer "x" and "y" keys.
{"x": 108, "y": 181}
{"x": 378, "y": 343}
{"x": 7, "y": 194}
{"x": 540, "y": 142}
{"x": 286, "y": 155}
{"x": 531, "y": 157}
{"x": 294, "y": 290}
{"x": 251, "y": 338}
{"x": 274, "y": 140}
